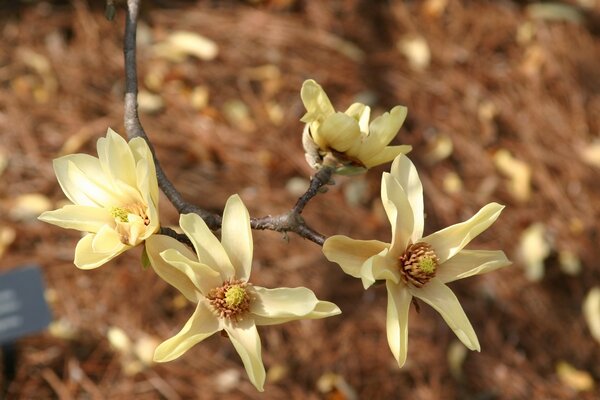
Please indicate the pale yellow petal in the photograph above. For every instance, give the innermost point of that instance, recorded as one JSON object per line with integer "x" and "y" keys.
{"x": 174, "y": 276}
{"x": 449, "y": 241}
{"x": 86, "y": 258}
{"x": 382, "y": 266}
{"x": 398, "y": 305}
{"x": 361, "y": 113}
{"x": 276, "y": 306}
{"x": 339, "y": 131}
{"x": 236, "y": 236}
{"x": 399, "y": 213}
{"x": 201, "y": 325}
{"x": 202, "y": 276}
{"x": 81, "y": 218}
{"x": 350, "y": 254}
{"x": 471, "y": 262}
{"x": 386, "y": 155}
{"x": 315, "y": 101}
{"x": 146, "y": 176}
{"x": 246, "y": 341}
{"x": 382, "y": 130}
{"x": 209, "y": 249}
{"x": 405, "y": 172}
{"x": 442, "y": 299}
{"x": 106, "y": 240}
{"x": 84, "y": 182}
{"x": 116, "y": 158}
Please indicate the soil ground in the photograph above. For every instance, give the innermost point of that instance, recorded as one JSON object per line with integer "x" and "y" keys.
{"x": 500, "y": 76}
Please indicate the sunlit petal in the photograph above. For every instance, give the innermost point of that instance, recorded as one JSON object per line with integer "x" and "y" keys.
{"x": 340, "y": 131}
{"x": 442, "y": 299}
{"x": 116, "y": 158}
{"x": 471, "y": 262}
{"x": 106, "y": 240}
{"x": 245, "y": 339}
{"x": 382, "y": 130}
{"x": 202, "y": 276}
{"x": 315, "y": 101}
{"x": 86, "y": 258}
{"x": 447, "y": 242}
{"x": 399, "y": 212}
{"x": 236, "y": 236}
{"x": 380, "y": 267}
{"x": 350, "y": 254}
{"x": 82, "y": 218}
{"x": 404, "y": 171}
{"x": 201, "y": 325}
{"x": 386, "y": 154}
{"x": 146, "y": 176}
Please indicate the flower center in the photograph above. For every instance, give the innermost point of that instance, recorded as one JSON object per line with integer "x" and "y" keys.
{"x": 232, "y": 300}
{"x": 131, "y": 221}
{"x": 418, "y": 264}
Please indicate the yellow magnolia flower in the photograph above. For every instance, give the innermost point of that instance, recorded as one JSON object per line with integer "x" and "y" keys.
{"x": 114, "y": 196}
{"x": 413, "y": 265}
{"x": 217, "y": 280}
{"x": 348, "y": 136}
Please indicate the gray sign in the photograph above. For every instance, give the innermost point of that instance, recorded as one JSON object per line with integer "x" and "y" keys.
{"x": 23, "y": 308}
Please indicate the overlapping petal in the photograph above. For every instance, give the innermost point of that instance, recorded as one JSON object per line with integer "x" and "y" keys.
{"x": 386, "y": 154}
{"x": 382, "y": 130}
{"x": 87, "y": 258}
{"x": 351, "y": 254}
{"x": 339, "y": 132}
{"x": 316, "y": 102}
{"x": 399, "y": 212}
{"x": 116, "y": 158}
{"x": 404, "y": 171}
{"x": 82, "y": 218}
{"x": 236, "y": 236}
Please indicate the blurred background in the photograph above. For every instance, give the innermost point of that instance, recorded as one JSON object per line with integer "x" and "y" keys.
{"x": 504, "y": 105}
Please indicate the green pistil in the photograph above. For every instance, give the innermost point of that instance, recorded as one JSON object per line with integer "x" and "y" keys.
{"x": 235, "y": 296}
{"x": 427, "y": 265}
{"x": 119, "y": 213}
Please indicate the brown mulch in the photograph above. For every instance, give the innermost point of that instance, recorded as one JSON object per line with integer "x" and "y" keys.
{"x": 497, "y": 79}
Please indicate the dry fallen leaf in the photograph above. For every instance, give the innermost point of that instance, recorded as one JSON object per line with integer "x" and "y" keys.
{"x": 150, "y": 103}
{"x": 416, "y": 50}
{"x": 517, "y": 171}
{"x": 237, "y": 114}
{"x": 457, "y": 353}
{"x": 181, "y": 44}
{"x": 591, "y": 311}
{"x": 554, "y": 12}
{"x": 574, "y": 378}
{"x": 452, "y": 183}
{"x": 7, "y": 236}
{"x": 569, "y": 262}
{"x": 28, "y": 207}
{"x": 533, "y": 250}
{"x": 439, "y": 148}
{"x": 591, "y": 154}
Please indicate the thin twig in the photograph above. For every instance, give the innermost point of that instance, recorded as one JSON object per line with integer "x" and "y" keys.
{"x": 291, "y": 221}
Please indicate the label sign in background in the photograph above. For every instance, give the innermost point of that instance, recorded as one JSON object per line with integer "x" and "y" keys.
{"x": 23, "y": 308}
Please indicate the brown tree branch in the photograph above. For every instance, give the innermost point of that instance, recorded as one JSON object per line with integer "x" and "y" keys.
{"x": 291, "y": 221}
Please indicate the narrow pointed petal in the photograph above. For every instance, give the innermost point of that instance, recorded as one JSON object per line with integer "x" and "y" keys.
{"x": 380, "y": 267}
{"x": 202, "y": 276}
{"x": 315, "y": 101}
{"x": 386, "y": 155}
{"x": 81, "y": 218}
{"x": 399, "y": 299}
{"x": 443, "y": 300}
{"x": 86, "y": 258}
{"x": 399, "y": 212}
{"x": 406, "y": 174}
{"x": 146, "y": 179}
{"x": 449, "y": 241}
{"x": 340, "y": 131}
{"x": 276, "y": 306}
{"x": 471, "y": 262}
{"x": 382, "y": 130}
{"x": 207, "y": 246}
{"x": 201, "y": 325}
{"x": 84, "y": 182}
{"x": 236, "y": 236}
{"x": 116, "y": 158}
{"x": 175, "y": 276}
{"x": 351, "y": 254}
{"x": 246, "y": 341}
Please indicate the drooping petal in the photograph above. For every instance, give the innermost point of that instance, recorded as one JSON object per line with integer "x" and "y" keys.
{"x": 315, "y": 101}
{"x": 116, "y": 158}
{"x": 449, "y": 241}
{"x": 382, "y": 130}
{"x": 382, "y": 266}
{"x": 146, "y": 178}
{"x": 351, "y": 254}
{"x": 399, "y": 299}
{"x": 82, "y": 218}
{"x": 209, "y": 249}
{"x": 442, "y": 299}
{"x": 201, "y": 325}
{"x": 176, "y": 276}
{"x": 387, "y": 154}
{"x": 86, "y": 258}
{"x": 276, "y": 306}
{"x": 84, "y": 182}
{"x": 245, "y": 339}
{"x": 202, "y": 276}
{"x": 399, "y": 212}
{"x": 406, "y": 174}
{"x": 236, "y": 236}
{"x": 471, "y": 262}
{"x": 339, "y": 131}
